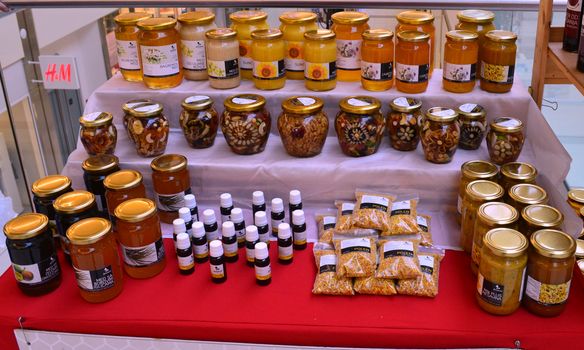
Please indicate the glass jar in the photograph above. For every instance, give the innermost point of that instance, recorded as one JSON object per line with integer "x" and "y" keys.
{"x": 149, "y": 129}
{"x": 293, "y": 26}
{"x": 320, "y": 60}
{"x": 461, "y": 55}
{"x": 199, "y": 121}
{"x": 140, "y": 237}
{"x": 348, "y": 27}
{"x": 160, "y": 53}
{"x": 477, "y": 193}
{"x": 440, "y": 134}
{"x": 223, "y": 58}
{"x": 477, "y": 21}
{"x": 120, "y": 187}
{"x": 576, "y": 199}
{"x": 516, "y": 173}
{"x": 498, "y": 54}
{"x": 193, "y": 26}
{"x": 98, "y": 134}
{"x": 127, "y": 107}
{"x": 33, "y": 254}
{"x": 505, "y": 140}
{"x": 472, "y": 119}
{"x": 171, "y": 182}
{"x": 95, "y": 170}
{"x": 96, "y": 261}
{"x": 377, "y": 60}
{"x": 403, "y": 123}
{"x": 522, "y": 195}
{"x": 245, "y": 23}
{"x": 412, "y": 62}
{"x": 303, "y": 126}
{"x": 246, "y": 123}
{"x": 45, "y": 191}
{"x": 471, "y": 171}
{"x": 422, "y": 22}
{"x": 126, "y": 34}
{"x": 549, "y": 272}
{"x": 359, "y": 125}
{"x": 537, "y": 217}
{"x": 500, "y": 277}
{"x": 269, "y": 70}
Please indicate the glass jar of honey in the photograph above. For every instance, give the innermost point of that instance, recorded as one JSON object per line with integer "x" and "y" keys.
{"x": 461, "y": 55}
{"x": 171, "y": 182}
{"x": 575, "y": 199}
{"x": 472, "y": 119}
{"x": 246, "y": 123}
{"x": 120, "y": 187}
{"x": 422, "y": 22}
{"x": 33, "y": 254}
{"x": 193, "y": 26}
{"x": 320, "y": 60}
{"x": 471, "y": 171}
{"x": 505, "y": 140}
{"x": 160, "y": 53}
{"x": 537, "y": 217}
{"x": 377, "y": 60}
{"x": 293, "y": 26}
{"x": 98, "y": 134}
{"x": 498, "y": 53}
{"x": 440, "y": 134}
{"x": 477, "y": 21}
{"x": 522, "y": 195}
{"x": 95, "y": 170}
{"x": 517, "y": 173}
{"x": 126, "y": 34}
{"x": 96, "y": 260}
{"x": 149, "y": 129}
{"x": 45, "y": 191}
{"x": 199, "y": 121}
{"x": 359, "y": 125}
{"x": 412, "y": 62}
{"x": 303, "y": 126}
{"x": 223, "y": 58}
{"x": 403, "y": 123}
{"x": 348, "y": 27}
{"x": 269, "y": 70}
{"x": 127, "y": 107}
{"x": 245, "y": 23}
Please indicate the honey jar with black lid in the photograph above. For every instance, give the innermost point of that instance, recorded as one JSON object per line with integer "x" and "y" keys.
{"x": 95, "y": 170}
{"x": 171, "y": 182}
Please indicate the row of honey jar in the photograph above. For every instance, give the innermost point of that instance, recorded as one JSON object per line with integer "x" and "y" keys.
{"x": 152, "y": 50}
{"x": 303, "y": 127}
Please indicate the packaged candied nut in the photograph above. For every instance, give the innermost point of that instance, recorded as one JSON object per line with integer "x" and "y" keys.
{"x": 344, "y": 215}
{"x": 373, "y": 210}
{"x": 98, "y": 134}
{"x": 374, "y": 286}
{"x": 326, "y": 222}
{"x": 356, "y": 252}
{"x": 424, "y": 223}
{"x": 327, "y": 281}
{"x": 403, "y": 219}
{"x": 398, "y": 257}
{"x": 427, "y": 284}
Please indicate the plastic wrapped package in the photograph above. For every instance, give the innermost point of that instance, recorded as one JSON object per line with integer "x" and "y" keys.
{"x": 425, "y": 224}
{"x": 427, "y": 284}
{"x": 398, "y": 257}
{"x": 326, "y": 222}
{"x": 344, "y": 214}
{"x": 327, "y": 281}
{"x": 356, "y": 252}
{"x": 375, "y": 286}
{"x": 372, "y": 210}
{"x": 403, "y": 218}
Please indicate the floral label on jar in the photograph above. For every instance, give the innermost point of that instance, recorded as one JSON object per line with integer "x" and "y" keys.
{"x": 349, "y": 54}
{"x": 160, "y": 61}
{"x": 328, "y": 263}
{"x": 223, "y": 69}
{"x": 269, "y": 70}
{"x": 143, "y": 256}
{"x": 398, "y": 248}
{"x": 377, "y": 71}
{"x": 294, "y": 56}
{"x": 193, "y": 55}
{"x": 245, "y": 60}
{"x": 459, "y": 73}
{"x": 496, "y": 73}
{"x": 407, "y": 73}
{"x": 171, "y": 202}
{"x": 320, "y": 71}
{"x": 95, "y": 280}
{"x": 37, "y": 273}
{"x": 128, "y": 54}
{"x": 489, "y": 291}
{"x": 547, "y": 294}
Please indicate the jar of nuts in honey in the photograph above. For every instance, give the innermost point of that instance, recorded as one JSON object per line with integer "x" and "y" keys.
{"x": 246, "y": 123}
{"x": 171, "y": 182}
{"x": 505, "y": 140}
{"x": 359, "y": 125}
{"x": 403, "y": 123}
{"x": 440, "y": 134}
{"x": 127, "y": 107}
{"x": 472, "y": 119}
{"x": 303, "y": 126}
{"x": 199, "y": 121}
{"x": 98, "y": 134}
{"x": 149, "y": 129}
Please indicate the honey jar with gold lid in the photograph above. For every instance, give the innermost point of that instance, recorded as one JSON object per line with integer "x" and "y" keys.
{"x": 269, "y": 69}
{"x": 474, "y": 170}
{"x": 348, "y": 27}
{"x": 244, "y": 23}
{"x": 98, "y": 134}
{"x": 498, "y": 54}
{"x": 121, "y": 186}
{"x": 126, "y": 34}
{"x": 171, "y": 182}
{"x": 193, "y": 26}
{"x": 516, "y": 173}
{"x": 522, "y": 195}
{"x": 293, "y": 26}
{"x": 540, "y": 216}
{"x": 412, "y": 61}
{"x": 576, "y": 199}
{"x": 45, "y": 191}
{"x": 420, "y": 21}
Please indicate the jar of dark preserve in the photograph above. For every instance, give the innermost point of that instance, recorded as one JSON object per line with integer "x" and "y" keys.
{"x": 95, "y": 170}
{"x": 45, "y": 191}
{"x": 33, "y": 254}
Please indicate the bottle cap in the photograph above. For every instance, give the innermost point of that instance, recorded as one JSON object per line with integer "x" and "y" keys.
{"x": 298, "y": 217}
{"x": 185, "y": 214}
{"x": 261, "y": 218}
{"x": 284, "y": 231}
{"x": 261, "y": 250}
{"x": 226, "y": 200}
{"x": 190, "y": 201}
{"x": 228, "y": 229}
{"x": 183, "y": 241}
{"x": 236, "y": 215}
{"x": 277, "y": 205}
{"x": 216, "y": 248}
{"x": 258, "y": 198}
{"x": 179, "y": 226}
{"x": 198, "y": 229}
{"x": 295, "y": 197}
{"x": 209, "y": 216}
{"x": 251, "y": 233}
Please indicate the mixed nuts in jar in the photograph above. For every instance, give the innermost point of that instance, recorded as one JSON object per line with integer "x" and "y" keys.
{"x": 149, "y": 129}
{"x": 472, "y": 119}
{"x": 505, "y": 140}
{"x": 359, "y": 125}
{"x": 303, "y": 126}
{"x": 127, "y": 107}
{"x": 98, "y": 133}
{"x": 402, "y": 123}
{"x": 199, "y": 121}
{"x": 440, "y": 134}
{"x": 246, "y": 123}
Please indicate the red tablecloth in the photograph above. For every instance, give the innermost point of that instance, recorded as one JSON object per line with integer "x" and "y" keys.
{"x": 191, "y": 307}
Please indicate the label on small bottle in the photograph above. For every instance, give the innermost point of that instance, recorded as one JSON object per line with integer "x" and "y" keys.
{"x": 374, "y": 202}
{"x": 230, "y": 249}
{"x": 217, "y": 271}
{"x": 489, "y": 291}
{"x": 201, "y": 251}
{"x": 95, "y": 280}
{"x": 356, "y": 245}
{"x": 277, "y": 219}
{"x": 37, "y": 273}
{"x": 245, "y": 61}
{"x": 393, "y": 249}
{"x": 299, "y": 234}
{"x": 376, "y": 71}
{"x": 423, "y": 223}
{"x": 171, "y": 202}
{"x": 285, "y": 253}
{"x": 144, "y": 256}
{"x": 459, "y": 73}
{"x": 212, "y": 232}
{"x": 193, "y": 55}
{"x": 294, "y": 56}
{"x": 160, "y": 61}
{"x": 263, "y": 273}
{"x": 223, "y": 69}
{"x": 496, "y": 73}
{"x": 426, "y": 264}
{"x": 547, "y": 294}
{"x": 240, "y": 231}
{"x": 407, "y": 73}
{"x": 128, "y": 54}
{"x": 185, "y": 262}
{"x": 250, "y": 253}
{"x": 264, "y": 233}
{"x": 349, "y": 54}
{"x": 320, "y": 71}
{"x": 327, "y": 263}
{"x": 269, "y": 70}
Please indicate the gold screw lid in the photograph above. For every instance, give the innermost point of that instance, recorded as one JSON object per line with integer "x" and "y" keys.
{"x": 462, "y": 36}
{"x": 413, "y": 36}
{"x": 26, "y": 226}
{"x": 505, "y": 242}
{"x": 244, "y": 103}
{"x": 484, "y": 190}
{"x": 221, "y": 34}
{"x": 96, "y": 119}
{"x": 377, "y": 34}
{"x": 506, "y": 124}
{"x": 197, "y": 102}
{"x": 501, "y": 36}
{"x": 299, "y": 17}
{"x": 319, "y": 34}
{"x": 553, "y": 244}
{"x": 475, "y": 16}
{"x": 350, "y": 17}
{"x": 128, "y": 106}
{"x": 135, "y": 210}
{"x": 479, "y": 169}
{"x": 267, "y": 34}
{"x": 360, "y": 105}
{"x": 497, "y": 213}
{"x": 157, "y": 23}
{"x": 50, "y": 185}
{"x": 147, "y": 109}
{"x": 74, "y": 202}
{"x": 542, "y": 215}
{"x": 441, "y": 114}
{"x": 471, "y": 111}
{"x": 519, "y": 171}
{"x": 415, "y": 17}
{"x": 528, "y": 194}
{"x": 576, "y": 195}
{"x": 196, "y": 17}
{"x": 131, "y": 18}
{"x": 579, "y": 248}
{"x": 302, "y": 105}
{"x": 169, "y": 163}
{"x": 122, "y": 180}
{"x": 88, "y": 231}
{"x": 248, "y": 16}
{"x": 405, "y": 104}
{"x": 100, "y": 163}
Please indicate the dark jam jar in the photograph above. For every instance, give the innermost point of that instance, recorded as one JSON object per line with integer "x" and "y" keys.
{"x": 95, "y": 170}
{"x": 33, "y": 254}
{"x": 359, "y": 125}
{"x": 45, "y": 191}
{"x": 246, "y": 123}
{"x": 199, "y": 121}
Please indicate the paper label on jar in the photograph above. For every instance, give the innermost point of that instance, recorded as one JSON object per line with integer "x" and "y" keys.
{"x": 243, "y": 101}
{"x": 347, "y": 208}
{"x": 305, "y": 101}
{"x": 263, "y": 272}
{"x": 547, "y": 294}
{"x": 145, "y": 255}
{"x": 402, "y": 102}
{"x": 356, "y": 245}
{"x": 217, "y": 271}
{"x": 37, "y": 273}
{"x": 285, "y": 253}
{"x": 349, "y": 54}
{"x": 398, "y": 248}
{"x": 376, "y": 71}
{"x": 223, "y": 69}
{"x": 444, "y": 112}
{"x": 320, "y": 71}
{"x": 468, "y": 107}
{"x": 374, "y": 202}
{"x": 358, "y": 102}
{"x": 196, "y": 98}
{"x": 245, "y": 61}
{"x": 294, "y": 56}
{"x": 128, "y": 54}
{"x": 171, "y": 202}
{"x": 490, "y": 292}
{"x": 426, "y": 263}
{"x": 497, "y": 74}
{"x": 95, "y": 280}
{"x": 407, "y": 73}
{"x": 327, "y": 263}
{"x": 401, "y": 208}
{"x": 269, "y": 70}
{"x": 160, "y": 61}
{"x": 459, "y": 73}
{"x": 423, "y": 223}
{"x": 193, "y": 55}
{"x": 91, "y": 117}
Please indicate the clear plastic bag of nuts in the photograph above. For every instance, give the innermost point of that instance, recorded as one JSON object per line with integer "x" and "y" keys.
{"x": 356, "y": 252}
{"x": 326, "y": 221}
{"x": 403, "y": 217}
{"x": 427, "y": 284}
{"x": 372, "y": 210}
{"x": 327, "y": 281}
{"x": 398, "y": 257}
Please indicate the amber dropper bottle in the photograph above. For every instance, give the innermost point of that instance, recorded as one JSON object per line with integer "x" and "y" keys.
{"x": 217, "y": 262}
{"x": 263, "y": 270}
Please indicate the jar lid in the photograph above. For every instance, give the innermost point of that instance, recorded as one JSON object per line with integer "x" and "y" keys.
{"x": 542, "y": 215}
{"x": 131, "y": 18}
{"x": 505, "y": 242}
{"x": 471, "y": 110}
{"x": 169, "y": 163}
{"x": 553, "y": 244}
{"x": 519, "y": 171}
{"x": 244, "y": 103}
{"x": 266, "y": 34}
{"x": 577, "y": 195}
{"x": 462, "y": 35}
{"x": 484, "y": 190}
{"x": 100, "y": 163}
{"x": 501, "y": 36}
{"x": 528, "y": 194}
{"x": 49, "y": 185}
{"x": 147, "y": 109}
{"x": 377, "y": 34}
{"x": 350, "y": 17}
{"x": 196, "y": 17}
{"x": 248, "y": 16}
{"x": 299, "y": 17}
{"x": 441, "y": 114}
{"x": 221, "y": 34}
{"x": 319, "y": 34}
{"x": 497, "y": 213}
{"x": 158, "y": 23}
{"x": 96, "y": 119}
{"x": 413, "y": 36}
{"x": 415, "y": 17}
{"x": 135, "y": 210}
{"x": 405, "y": 104}
{"x": 122, "y": 180}
{"x": 479, "y": 169}
{"x": 506, "y": 124}
{"x": 197, "y": 102}
{"x": 475, "y": 16}
{"x": 126, "y": 107}
{"x": 26, "y": 226}
{"x": 88, "y": 231}
{"x": 360, "y": 104}
{"x": 579, "y": 248}
{"x": 302, "y": 104}
{"x": 74, "y": 202}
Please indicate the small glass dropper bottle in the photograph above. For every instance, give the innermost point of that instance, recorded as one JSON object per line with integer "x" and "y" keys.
{"x": 263, "y": 270}
{"x": 217, "y": 262}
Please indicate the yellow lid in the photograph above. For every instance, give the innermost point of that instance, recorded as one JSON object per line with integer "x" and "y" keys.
{"x": 197, "y": 102}
{"x": 360, "y": 105}
{"x": 299, "y": 17}
{"x": 415, "y": 17}
{"x": 478, "y": 169}
{"x": 147, "y": 109}
{"x": 475, "y": 16}
{"x": 484, "y": 190}
{"x": 50, "y": 185}
{"x": 157, "y": 23}
{"x": 505, "y": 242}
{"x": 542, "y": 215}
{"x": 377, "y": 34}
{"x": 413, "y": 36}
{"x": 462, "y": 35}
{"x": 196, "y": 17}
{"x": 248, "y": 16}
{"x": 441, "y": 114}
{"x": 506, "y": 124}
{"x": 100, "y": 163}
{"x": 497, "y": 213}
{"x": 26, "y": 226}
{"x": 135, "y": 210}
{"x": 471, "y": 111}
{"x": 244, "y": 103}
{"x": 96, "y": 119}
{"x": 126, "y": 107}
{"x": 350, "y": 17}
{"x": 169, "y": 163}
{"x": 519, "y": 171}
{"x": 266, "y": 34}
{"x": 528, "y": 194}
{"x": 302, "y": 104}
{"x": 131, "y": 18}
{"x": 122, "y": 180}
{"x": 319, "y": 34}
{"x": 405, "y": 104}
{"x": 577, "y": 195}
{"x": 88, "y": 231}
{"x": 553, "y": 244}
{"x": 579, "y": 248}
{"x": 74, "y": 202}
{"x": 221, "y": 34}
{"x": 501, "y": 36}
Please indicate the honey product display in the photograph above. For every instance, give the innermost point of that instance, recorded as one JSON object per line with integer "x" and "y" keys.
{"x": 246, "y": 123}
{"x": 96, "y": 261}
{"x": 422, "y": 22}
{"x": 223, "y": 58}
{"x": 126, "y": 34}
{"x": 474, "y": 170}
{"x": 121, "y": 186}
{"x": 149, "y": 129}
{"x": 576, "y": 199}
{"x": 540, "y": 216}
{"x": 403, "y": 219}
{"x": 472, "y": 119}
{"x": 344, "y": 215}
{"x": 269, "y": 70}
{"x": 171, "y": 182}
{"x": 33, "y": 254}
{"x": 45, "y": 190}
{"x": 427, "y": 284}
{"x": 303, "y": 126}
{"x": 516, "y": 173}
{"x": 327, "y": 280}
{"x": 199, "y": 121}
{"x": 193, "y": 26}
{"x": 412, "y": 61}
{"x": 348, "y": 27}
{"x": 377, "y": 60}
{"x": 461, "y": 55}
{"x": 505, "y": 140}
{"x": 320, "y": 57}
{"x": 501, "y": 271}
{"x": 478, "y": 21}
{"x": 403, "y": 123}
{"x": 98, "y": 135}
{"x": 440, "y": 134}
{"x": 398, "y": 258}
{"x": 356, "y": 253}
{"x": 359, "y": 125}
{"x": 160, "y": 57}
{"x": 293, "y": 26}
{"x": 95, "y": 170}
{"x": 127, "y": 107}
{"x": 522, "y": 195}
{"x": 498, "y": 53}
{"x": 326, "y": 225}
{"x": 372, "y": 211}
{"x": 374, "y": 286}
{"x": 245, "y": 23}
{"x": 425, "y": 225}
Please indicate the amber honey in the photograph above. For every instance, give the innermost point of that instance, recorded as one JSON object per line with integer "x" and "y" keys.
{"x": 171, "y": 181}
{"x": 121, "y": 186}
